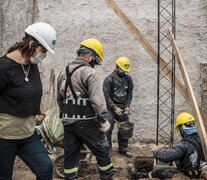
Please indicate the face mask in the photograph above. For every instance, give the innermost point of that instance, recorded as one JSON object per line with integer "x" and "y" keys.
{"x": 189, "y": 130}
{"x": 92, "y": 63}
{"x": 120, "y": 72}
{"x": 39, "y": 57}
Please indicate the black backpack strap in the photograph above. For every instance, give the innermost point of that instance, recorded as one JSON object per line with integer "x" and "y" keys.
{"x": 112, "y": 86}
{"x": 68, "y": 80}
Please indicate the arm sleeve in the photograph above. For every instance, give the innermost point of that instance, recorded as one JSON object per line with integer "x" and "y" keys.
{"x": 59, "y": 89}
{"x": 95, "y": 92}
{"x": 174, "y": 154}
{"x": 107, "y": 93}
{"x": 130, "y": 91}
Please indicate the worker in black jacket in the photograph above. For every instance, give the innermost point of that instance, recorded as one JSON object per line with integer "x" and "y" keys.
{"x": 188, "y": 152}
{"x": 117, "y": 88}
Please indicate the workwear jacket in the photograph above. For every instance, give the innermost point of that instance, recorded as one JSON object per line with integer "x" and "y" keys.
{"x": 188, "y": 152}
{"x": 85, "y": 82}
{"x": 118, "y": 90}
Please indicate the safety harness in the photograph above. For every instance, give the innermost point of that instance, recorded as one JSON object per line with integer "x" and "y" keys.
{"x": 76, "y": 107}
{"x": 194, "y": 172}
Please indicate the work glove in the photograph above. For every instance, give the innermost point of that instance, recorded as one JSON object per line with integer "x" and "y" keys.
{"x": 127, "y": 110}
{"x": 118, "y": 111}
{"x": 104, "y": 126}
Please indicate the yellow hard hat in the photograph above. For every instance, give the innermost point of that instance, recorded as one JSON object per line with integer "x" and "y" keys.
{"x": 95, "y": 45}
{"x": 123, "y": 63}
{"x": 183, "y": 118}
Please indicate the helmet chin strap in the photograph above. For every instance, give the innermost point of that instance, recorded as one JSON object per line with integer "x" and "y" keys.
{"x": 120, "y": 72}
{"x": 92, "y": 63}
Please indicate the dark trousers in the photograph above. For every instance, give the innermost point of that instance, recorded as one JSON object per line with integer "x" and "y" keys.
{"x": 123, "y": 143}
{"x": 86, "y": 132}
{"x": 31, "y": 151}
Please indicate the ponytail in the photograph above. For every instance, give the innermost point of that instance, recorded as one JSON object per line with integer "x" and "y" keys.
{"x": 23, "y": 46}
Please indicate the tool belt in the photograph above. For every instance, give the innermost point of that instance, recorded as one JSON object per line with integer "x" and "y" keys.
{"x": 79, "y": 108}
{"x": 119, "y": 104}
{"x": 76, "y": 107}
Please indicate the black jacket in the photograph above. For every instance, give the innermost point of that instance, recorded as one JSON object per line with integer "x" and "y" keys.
{"x": 188, "y": 152}
{"x": 118, "y": 90}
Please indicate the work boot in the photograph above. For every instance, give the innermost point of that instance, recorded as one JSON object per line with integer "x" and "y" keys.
{"x": 127, "y": 154}
{"x": 106, "y": 177}
{"x": 140, "y": 175}
{"x": 131, "y": 170}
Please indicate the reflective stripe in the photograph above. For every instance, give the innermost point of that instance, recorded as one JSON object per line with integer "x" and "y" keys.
{"x": 150, "y": 174}
{"x": 192, "y": 172}
{"x": 104, "y": 168}
{"x": 69, "y": 171}
{"x": 78, "y": 101}
{"x": 84, "y": 102}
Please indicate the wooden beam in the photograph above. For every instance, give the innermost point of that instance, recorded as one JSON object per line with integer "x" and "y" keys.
{"x": 190, "y": 94}
{"x": 151, "y": 51}
{"x": 47, "y": 102}
{"x": 146, "y": 45}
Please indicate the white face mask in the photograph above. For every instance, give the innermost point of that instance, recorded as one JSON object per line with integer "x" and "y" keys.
{"x": 39, "y": 57}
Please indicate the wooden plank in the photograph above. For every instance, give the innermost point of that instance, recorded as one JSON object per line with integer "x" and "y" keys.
{"x": 151, "y": 51}
{"x": 190, "y": 94}
{"x": 146, "y": 45}
{"x": 203, "y": 69}
{"x": 49, "y": 91}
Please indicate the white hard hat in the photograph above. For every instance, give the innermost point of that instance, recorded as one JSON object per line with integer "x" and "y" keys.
{"x": 44, "y": 34}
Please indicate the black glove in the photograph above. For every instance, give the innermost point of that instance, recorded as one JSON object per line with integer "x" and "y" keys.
{"x": 104, "y": 116}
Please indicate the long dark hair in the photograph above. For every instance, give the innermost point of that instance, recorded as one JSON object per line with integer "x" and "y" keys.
{"x": 23, "y": 46}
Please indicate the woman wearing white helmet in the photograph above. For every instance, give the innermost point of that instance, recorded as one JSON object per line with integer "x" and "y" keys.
{"x": 20, "y": 97}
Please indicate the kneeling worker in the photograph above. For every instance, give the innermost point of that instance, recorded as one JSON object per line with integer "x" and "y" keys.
{"x": 188, "y": 152}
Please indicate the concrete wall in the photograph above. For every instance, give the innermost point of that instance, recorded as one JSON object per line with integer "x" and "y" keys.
{"x": 75, "y": 21}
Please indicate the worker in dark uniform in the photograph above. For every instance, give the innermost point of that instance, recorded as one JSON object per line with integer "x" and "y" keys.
{"x": 83, "y": 111}
{"x": 188, "y": 152}
{"x": 117, "y": 88}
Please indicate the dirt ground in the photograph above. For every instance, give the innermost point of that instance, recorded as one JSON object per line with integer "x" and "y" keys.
{"x": 90, "y": 172}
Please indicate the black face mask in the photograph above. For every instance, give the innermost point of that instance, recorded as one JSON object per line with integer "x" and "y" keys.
{"x": 120, "y": 72}
{"x": 92, "y": 63}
